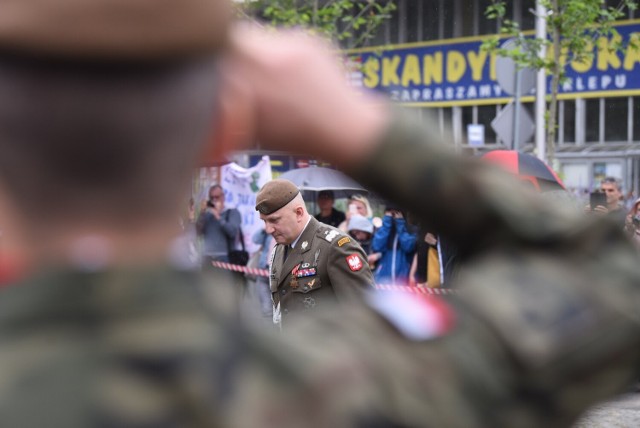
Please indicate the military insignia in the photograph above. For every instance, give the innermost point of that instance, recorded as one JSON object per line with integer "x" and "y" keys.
{"x": 305, "y": 244}
{"x": 310, "y": 283}
{"x": 309, "y": 302}
{"x": 294, "y": 271}
{"x": 294, "y": 282}
{"x": 302, "y": 273}
{"x": 354, "y": 262}
{"x": 305, "y": 265}
{"x": 343, "y": 241}
{"x": 331, "y": 235}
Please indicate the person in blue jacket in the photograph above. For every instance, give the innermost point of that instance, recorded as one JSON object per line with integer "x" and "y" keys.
{"x": 396, "y": 242}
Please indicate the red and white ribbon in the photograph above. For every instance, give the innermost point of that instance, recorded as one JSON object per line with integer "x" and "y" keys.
{"x": 383, "y": 287}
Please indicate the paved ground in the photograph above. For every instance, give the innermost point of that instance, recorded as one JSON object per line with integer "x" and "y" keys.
{"x": 623, "y": 412}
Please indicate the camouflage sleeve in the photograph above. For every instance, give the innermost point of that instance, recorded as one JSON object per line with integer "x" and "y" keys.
{"x": 552, "y": 297}
{"x": 546, "y": 326}
{"x": 348, "y": 268}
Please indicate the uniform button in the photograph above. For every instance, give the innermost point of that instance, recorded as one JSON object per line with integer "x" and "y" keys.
{"x": 283, "y": 292}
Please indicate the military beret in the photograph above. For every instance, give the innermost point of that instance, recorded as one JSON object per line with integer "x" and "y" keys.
{"x": 275, "y": 195}
{"x": 114, "y": 29}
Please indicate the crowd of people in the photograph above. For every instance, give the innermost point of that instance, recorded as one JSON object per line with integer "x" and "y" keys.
{"x": 398, "y": 250}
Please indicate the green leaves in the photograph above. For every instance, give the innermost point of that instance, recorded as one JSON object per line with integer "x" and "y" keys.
{"x": 574, "y": 27}
{"x": 349, "y": 22}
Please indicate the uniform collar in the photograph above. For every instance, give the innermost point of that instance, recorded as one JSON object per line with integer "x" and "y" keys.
{"x": 293, "y": 244}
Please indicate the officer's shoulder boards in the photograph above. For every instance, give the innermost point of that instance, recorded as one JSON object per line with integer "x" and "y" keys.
{"x": 330, "y": 234}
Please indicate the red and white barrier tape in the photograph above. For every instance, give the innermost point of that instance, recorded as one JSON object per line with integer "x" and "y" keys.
{"x": 384, "y": 287}
{"x": 243, "y": 269}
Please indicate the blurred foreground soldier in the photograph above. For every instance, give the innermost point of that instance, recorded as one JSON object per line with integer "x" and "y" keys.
{"x": 101, "y": 121}
{"x": 314, "y": 265}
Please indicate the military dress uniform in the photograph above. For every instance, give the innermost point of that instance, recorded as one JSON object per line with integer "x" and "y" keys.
{"x": 325, "y": 265}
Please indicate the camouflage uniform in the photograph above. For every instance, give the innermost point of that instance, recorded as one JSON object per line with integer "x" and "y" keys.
{"x": 547, "y": 325}
{"x": 325, "y": 266}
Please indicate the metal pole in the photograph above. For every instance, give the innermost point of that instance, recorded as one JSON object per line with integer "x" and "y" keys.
{"x": 541, "y": 83}
{"x": 516, "y": 111}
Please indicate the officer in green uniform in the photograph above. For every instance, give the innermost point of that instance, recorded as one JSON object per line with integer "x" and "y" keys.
{"x": 105, "y": 108}
{"x": 313, "y": 264}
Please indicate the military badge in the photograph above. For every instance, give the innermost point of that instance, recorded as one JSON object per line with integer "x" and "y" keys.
{"x": 294, "y": 282}
{"x": 295, "y": 270}
{"x": 331, "y": 235}
{"x": 343, "y": 241}
{"x": 305, "y": 265}
{"x": 354, "y": 262}
{"x": 305, "y": 244}
{"x": 303, "y": 273}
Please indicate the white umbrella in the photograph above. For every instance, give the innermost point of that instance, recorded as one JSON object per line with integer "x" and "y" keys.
{"x": 317, "y": 178}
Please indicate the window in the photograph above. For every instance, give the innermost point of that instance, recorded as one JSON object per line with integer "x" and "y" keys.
{"x": 569, "y": 121}
{"x": 485, "y": 115}
{"x": 529, "y": 108}
{"x": 394, "y": 26}
{"x": 467, "y": 15}
{"x": 412, "y": 14}
{"x": 528, "y": 21}
{"x": 467, "y": 116}
{"x": 616, "y": 119}
{"x": 430, "y": 19}
{"x": 379, "y": 37}
{"x": 485, "y": 25}
{"x": 447, "y": 19}
{"x": 636, "y": 118}
{"x": 447, "y": 123}
{"x": 592, "y": 107}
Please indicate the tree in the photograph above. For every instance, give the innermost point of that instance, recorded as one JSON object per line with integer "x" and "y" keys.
{"x": 575, "y": 27}
{"x": 351, "y": 23}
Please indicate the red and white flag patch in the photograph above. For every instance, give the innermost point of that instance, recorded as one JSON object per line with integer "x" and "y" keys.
{"x": 354, "y": 262}
{"x": 418, "y": 317}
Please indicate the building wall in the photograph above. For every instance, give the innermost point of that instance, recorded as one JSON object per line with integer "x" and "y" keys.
{"x": 596, "y": 136}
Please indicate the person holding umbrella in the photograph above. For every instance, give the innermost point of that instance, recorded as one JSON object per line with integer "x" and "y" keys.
{"x": 328, "y": 213}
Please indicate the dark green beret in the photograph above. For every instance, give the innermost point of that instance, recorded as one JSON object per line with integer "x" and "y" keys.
{"x": 275, "y": 195}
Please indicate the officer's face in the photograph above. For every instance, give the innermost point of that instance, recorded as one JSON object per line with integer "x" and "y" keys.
{"x": 285, "y": 224}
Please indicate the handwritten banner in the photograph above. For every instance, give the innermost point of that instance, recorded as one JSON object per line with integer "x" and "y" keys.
{"x": 240, "y": 187}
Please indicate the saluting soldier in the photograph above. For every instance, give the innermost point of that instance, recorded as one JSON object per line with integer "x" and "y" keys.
{"x": 313, "y": 263}
{"x": 106, "y": 105}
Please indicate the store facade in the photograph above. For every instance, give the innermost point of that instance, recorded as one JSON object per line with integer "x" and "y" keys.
{"x": 427, "y": 57}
